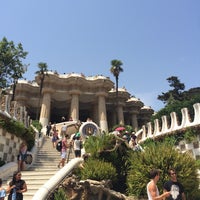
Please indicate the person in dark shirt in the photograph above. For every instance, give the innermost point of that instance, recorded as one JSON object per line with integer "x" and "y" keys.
{"x": 48, "y": 129}
{"x": 176, "y": 188}
{"x": 16, "y": 187}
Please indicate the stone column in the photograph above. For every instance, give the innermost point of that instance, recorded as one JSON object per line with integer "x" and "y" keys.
{"x": 7, "y": 105}
{"x": 134, "y": 122}
{"x": 25, "y": 118}
{"x": 21, "y": 118}
{"x": 45, "y": 109}
{"x": 95, "y": 113}
{"x": 102, "y": 111}
{"x": 75, "y": 105}
{"x": 15, "y": 110}
{"x": 120, "y": 114}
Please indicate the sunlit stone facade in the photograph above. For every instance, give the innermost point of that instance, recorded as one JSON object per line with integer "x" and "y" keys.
{"x": 79, "y": 97}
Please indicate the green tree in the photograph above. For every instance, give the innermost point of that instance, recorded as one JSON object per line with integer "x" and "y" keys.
{"x": 11, "y": 66}
{"x": 175, "y": 94}
{"x": 116, "y": 69}
{"x": 189, "y": 100}
{"x": 42, "y": 73}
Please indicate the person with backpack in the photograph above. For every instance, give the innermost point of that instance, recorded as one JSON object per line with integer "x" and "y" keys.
{"x": 63, "y": 152}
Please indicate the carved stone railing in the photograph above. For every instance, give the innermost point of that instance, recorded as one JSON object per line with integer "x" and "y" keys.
{"x": 155, "y": 130}
{"x": 13, "y": 110}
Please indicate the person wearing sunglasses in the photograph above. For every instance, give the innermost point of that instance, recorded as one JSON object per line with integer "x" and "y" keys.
{"x": 174, "y": 186}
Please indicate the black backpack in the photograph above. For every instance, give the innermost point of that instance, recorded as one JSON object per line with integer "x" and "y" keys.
{"x": 59, "y": 146}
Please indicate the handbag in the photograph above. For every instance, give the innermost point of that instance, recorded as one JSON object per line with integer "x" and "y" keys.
{"x": 28, "y": 159}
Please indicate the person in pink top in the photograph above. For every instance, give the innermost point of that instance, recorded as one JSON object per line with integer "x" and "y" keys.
{"x": 65, "y": 145}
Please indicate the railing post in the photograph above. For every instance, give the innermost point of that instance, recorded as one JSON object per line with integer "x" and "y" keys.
{"x": 164, "y": 124}
{"x": 196, "y": 113}
{"x": 156, "y": 127}
{"x": 149, "y": 130}
{"x": 174, "y": 122}
{"x": 185, "y": 118}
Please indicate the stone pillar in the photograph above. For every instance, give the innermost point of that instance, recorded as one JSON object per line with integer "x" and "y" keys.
{"x": 120, "y": 114}
{"x": 95, "y": 113}
{"x": 7, "y": 105}
{"x": 45, "y": 109}
{"x": 102, "y": 111}
{"x": 15, "y": 110}
{"x": 75, "y": 106}
{"x": 134, "y": 121}
{"x": 21, "y": 118}
{"x": 25, "y": 118}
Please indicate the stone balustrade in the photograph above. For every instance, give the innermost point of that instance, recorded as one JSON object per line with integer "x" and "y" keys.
{"x": 156, "y": 130}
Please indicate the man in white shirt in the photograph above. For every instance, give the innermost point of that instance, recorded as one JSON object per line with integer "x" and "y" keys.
{"x": 152, "y": 189}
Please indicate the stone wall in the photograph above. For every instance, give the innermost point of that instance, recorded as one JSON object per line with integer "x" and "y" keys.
{"x": 193, "y": 148}
{"x": 9, "y": 146}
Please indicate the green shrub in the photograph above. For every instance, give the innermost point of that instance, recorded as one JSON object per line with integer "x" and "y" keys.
{"x": 37, "y": 125}
{"x": 17, "y": 128}
{"x": 198, "y": 164}
{"x": 162, "y": 156}
{"x": 95, "y": 144}
{"x": 190, "y": 134}
{"x": 60, "y": 194}
{"x": 98, "y": 170}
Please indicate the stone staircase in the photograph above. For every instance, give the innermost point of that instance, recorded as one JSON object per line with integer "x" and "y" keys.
{"x": 43, "y": 169}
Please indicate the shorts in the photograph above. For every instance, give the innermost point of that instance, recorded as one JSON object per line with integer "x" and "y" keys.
{"x": 63, "y": 155}
{"x": 21, "y": 157}
{"x": 77, "y": 153}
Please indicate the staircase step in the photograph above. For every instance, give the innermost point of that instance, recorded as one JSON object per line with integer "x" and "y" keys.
{"x": 43, "y": 169}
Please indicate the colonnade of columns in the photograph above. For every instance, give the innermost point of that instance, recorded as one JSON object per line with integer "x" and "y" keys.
{"x": 99, "y": 110}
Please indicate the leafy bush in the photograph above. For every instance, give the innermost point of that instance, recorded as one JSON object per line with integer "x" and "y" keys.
{"x": 37, "y": 125}
{"x": 198, "y": 164}
{"x": 17, "y": 128}
{"x": 190, "y": 134}
{"x": 162, "y": 156}
{"x": 95, "y": 144}
{"x": 60, "y": 194}
{"x": 98, "y": 170}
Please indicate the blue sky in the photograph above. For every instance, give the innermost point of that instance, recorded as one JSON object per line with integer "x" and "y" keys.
{"x": 155, "y": 39}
